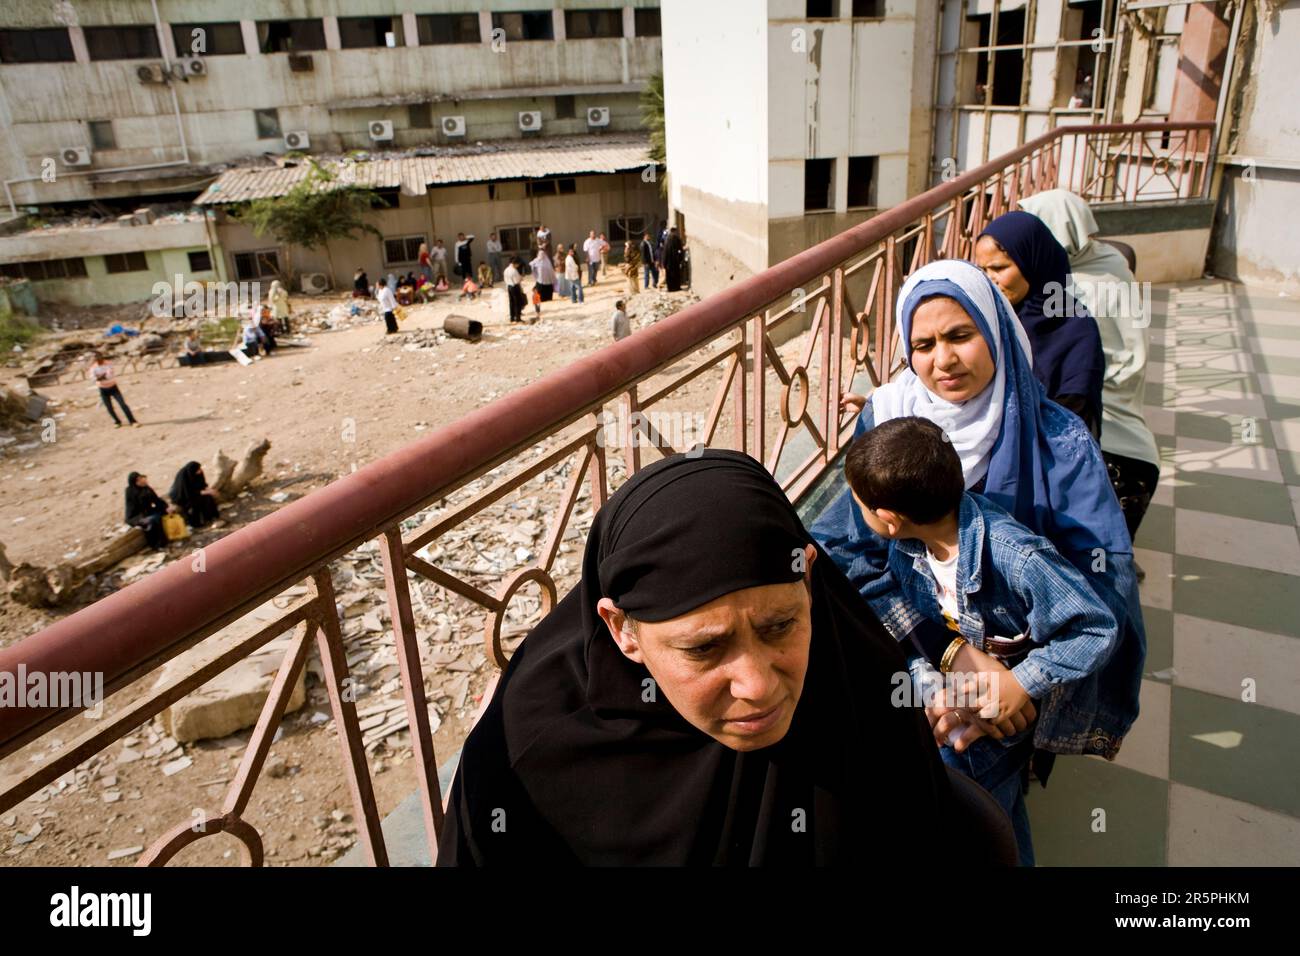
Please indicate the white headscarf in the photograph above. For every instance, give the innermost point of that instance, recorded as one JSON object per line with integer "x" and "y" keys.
{"x": 973, "y": 425}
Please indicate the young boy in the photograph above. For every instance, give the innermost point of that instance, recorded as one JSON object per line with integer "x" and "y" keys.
{"x": 1005, "y": 592}
{"x": 620, "y": 325}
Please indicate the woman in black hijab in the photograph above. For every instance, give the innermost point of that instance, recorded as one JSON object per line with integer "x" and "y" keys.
{"x": 673, "y": 260}
{"x": 742, "y": 717}
{"x": 145, "y": 510}
{"x": 192, "y": 497}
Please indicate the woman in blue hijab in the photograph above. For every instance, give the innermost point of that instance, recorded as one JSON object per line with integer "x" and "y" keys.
{"x": 1023, "y": 452}
{"x": 1018, "y": 252}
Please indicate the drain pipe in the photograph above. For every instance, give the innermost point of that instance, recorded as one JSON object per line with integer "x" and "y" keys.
{"x": 167, "y": 66}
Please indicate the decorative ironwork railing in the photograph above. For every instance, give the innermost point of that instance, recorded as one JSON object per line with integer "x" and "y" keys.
{"x": 770, "y": 387}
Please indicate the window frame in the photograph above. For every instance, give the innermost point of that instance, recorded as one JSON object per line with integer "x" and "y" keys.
{"x": 95, "y": 35}
{"x": 260, "y": 258}
{"x": 411, "y": 242}
{"x": 120, "y": 263}
{"x": 185, "y": 31}
{"x": 98, "y": 141}
{"x": 425, "y": 34}
{"x": 259, "y": 121}
{"x": 394, "y": 27}
{"x": 606, "y": 15}
{"x": 200, "y": 252}
{"x": 641, "y": 18}
{"x": 289, "y": 43}
{"x": 499, "y": 22}
{"x": 63, "y": 54}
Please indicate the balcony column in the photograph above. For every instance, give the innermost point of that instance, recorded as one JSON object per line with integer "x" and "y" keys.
{"x": 411, "y": 28}
{"x": 332, "y": 39}
{"x": 248, "y": 30}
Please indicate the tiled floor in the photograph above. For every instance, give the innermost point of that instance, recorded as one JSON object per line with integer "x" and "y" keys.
{"x": 1210, "y": 774}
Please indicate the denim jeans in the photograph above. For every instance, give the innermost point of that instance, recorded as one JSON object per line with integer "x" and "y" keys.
{"x": 592, "y": 266}
{"x": 650, "y": 273}
{"x": 997, "y": 766}
{"x": 575, "y": 290}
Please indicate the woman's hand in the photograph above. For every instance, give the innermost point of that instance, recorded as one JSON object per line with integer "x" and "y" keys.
{"x": 1001, "y": 701}
{"x": 969, "y": 725}
{"x": 852, "y": 402}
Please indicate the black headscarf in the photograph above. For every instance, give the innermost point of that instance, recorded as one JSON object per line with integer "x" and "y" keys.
{"x": 188, "y": 485}
{"x": 571, "y": 763}
{"x": 1068, "y": 357}
{"x": 141, "y": 502}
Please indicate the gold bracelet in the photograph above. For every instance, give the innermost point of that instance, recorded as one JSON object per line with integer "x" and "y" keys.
{"x": 945, "y": 663}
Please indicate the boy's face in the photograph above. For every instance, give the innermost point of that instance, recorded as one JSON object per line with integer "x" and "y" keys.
{"x": 883, "y": 522}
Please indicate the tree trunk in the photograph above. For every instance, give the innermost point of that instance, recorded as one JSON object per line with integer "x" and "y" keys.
{"x": 232, "y": 478}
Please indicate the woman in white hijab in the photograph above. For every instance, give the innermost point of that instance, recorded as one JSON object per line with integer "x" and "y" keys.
{"x": 1102, "y": 281}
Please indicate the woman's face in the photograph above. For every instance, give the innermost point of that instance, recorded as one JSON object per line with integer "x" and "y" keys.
{"x": 733, "y": 668}
{"x": 949, "y": 355}
{"x": 999, "y": 267}
{"x": 141, "y": 481}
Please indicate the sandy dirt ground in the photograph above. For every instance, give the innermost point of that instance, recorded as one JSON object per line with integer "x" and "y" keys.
{"x": 63, "y": 496}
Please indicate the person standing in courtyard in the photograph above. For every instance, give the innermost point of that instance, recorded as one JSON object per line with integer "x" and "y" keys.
{"x": 278, "y": 299}
{"x": 631, "y": 265}
{"x": 387, "y": 305}
{"x": 102, "y": 371}
{"x": 573, "y": 274}
{"x": 438, "y": 254}
{"x": 544, "y": 274}
{"x": 647, "y": 251}
{"x": 464, "y": 257}
{"x": 515, "y": 290}
{"x": 604, "y": 255}
{"x": 591, "y": 249}
{"x": 620, "y": 326}
{"x": 494, "y": 255}
{"x": 673, "y": 260}
{"x": 426, "y": 262}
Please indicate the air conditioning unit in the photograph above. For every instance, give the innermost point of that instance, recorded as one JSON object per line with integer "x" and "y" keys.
{"x": 297, "y": 139}
{"x": 381, "y": 130}
{"x": 150, "y": 73}
{"x": 75, "y": 156}
{"x": 453, "y": 126}
{"x": 194, "y": 66}
{"x": 598, "y": 116}
{"x": 301, "y": 63}
{"x": 530, "y": 120}
{"x": 315, "y": 283}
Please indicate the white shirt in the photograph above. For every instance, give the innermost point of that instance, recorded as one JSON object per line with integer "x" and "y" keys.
{"x": 438, "y": 253}
{"x": 620, "y": 326}
{"x": 571, "y": 271}
{"x": 512, "y": 275}
{"x": 592, "y": 248}
{"x": 494, "y": 245}
{"x": 945, "y": 575}
{"x": 387, "y": 301}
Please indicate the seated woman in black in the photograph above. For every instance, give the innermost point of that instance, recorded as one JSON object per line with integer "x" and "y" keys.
{"x": 713, "y": 692}
{"x": 145, "y": 510}
{"x": 1019, "y": 253}
{"x": 192, "y": 496}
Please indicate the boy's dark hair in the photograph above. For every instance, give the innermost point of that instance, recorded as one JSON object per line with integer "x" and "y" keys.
{"x": 908, "y": 466}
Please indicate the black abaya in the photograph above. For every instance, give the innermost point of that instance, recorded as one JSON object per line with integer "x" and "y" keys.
{"x": 187, "y": 495}
{"x": 145, "y": 510}
{"x": 574, "y": 763}
{"x": 673, "y": 262}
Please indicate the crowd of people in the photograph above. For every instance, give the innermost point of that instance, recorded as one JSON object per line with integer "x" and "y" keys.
{"x": 721, "y": 670}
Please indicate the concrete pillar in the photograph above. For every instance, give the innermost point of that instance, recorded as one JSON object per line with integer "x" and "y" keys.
{"x": 629, "y": 22}
{"x": 248, "y": 29}
{"x": 557, "y": 21}
{"x": 332, "y": 39}
{"x": 80, "y": 51}
{"x": 411, "y": 28}
{"x": 485, "y": 25}
{"x": 840, "y": 184}
{"x": 1202, "y": 51}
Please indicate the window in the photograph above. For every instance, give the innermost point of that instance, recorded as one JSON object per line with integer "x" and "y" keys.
{"x": 357, "y": 33}
{"x": 516, "y": 238}
{"x": 817, "y": 178}
{"x": 868, "y": 8}
{"x": 122, "y": 43}
{"x": 625, "y": 228}
{"x": 387, "y": 198}
{"x": 36, "y": 46}
{"x": 564, "y": 107}
{"x": 48, "y": 269}
{"x": 525, "y": 25}
{"x": 566, "y": 186}
{"x": 402, "y": 250}
{"x": 419, "y": 116}
{"x": 268, "y": 123}
{"x": 647, "y": 23}
{"x": 821, "y": 10}
{"x": 290, "y": 36}
{"x": 200, "y": 261}
{"x": 1008, "y": 65}
{"x": 101, "y": 134}
{"x": 264, "y": 264}
{"x": 436, "y": 28}
{"x": 551, "y": 187}
{"x": 207, "y": 39}
{"x": 126, "y": 262}
{"x": 862, "y": 181}
{"x": 586, "y": 24}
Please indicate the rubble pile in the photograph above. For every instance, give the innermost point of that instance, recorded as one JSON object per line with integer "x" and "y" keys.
{"x": 652, "y": 305}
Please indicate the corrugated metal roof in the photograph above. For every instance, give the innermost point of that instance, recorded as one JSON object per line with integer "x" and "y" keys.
{"x": 502, "y": 159}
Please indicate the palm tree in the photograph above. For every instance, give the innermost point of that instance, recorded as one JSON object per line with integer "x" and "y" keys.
{"x": 652, "y": 118}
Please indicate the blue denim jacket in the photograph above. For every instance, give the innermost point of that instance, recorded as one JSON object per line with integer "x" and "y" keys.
{"x": 1011, "y": 581}
{"x": 1099, "y": 710}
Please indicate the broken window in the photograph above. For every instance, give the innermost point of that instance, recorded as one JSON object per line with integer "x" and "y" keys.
{"x": 402, "y": 250}
{"x": 208, "y": 39}
{"x": 47, "y": 269}
{"x": 200, "y": 261}
{"x": 268, "y": 123}
{"x": 862, "y": 181}
{"x": 647, "y": 22}
{"x": 626, "y": 227}
{"x": 290, "y": 36}
{"x": 564, "y": 107}
{"x": 36, "y": 46}
{"x": 818, "y": 174}
{"x": 263, "y": 264}
{"x": 126, "y": 262}
{"x": 357, "y": 33}
{"x": 122, "y": 43}
{"x": 589, "y": 24}
{"x": 101, "y": 134}
{"x": 437, "y": 28}
{"x": 1008, "y": 65}
{"x": 419, "y": 116}
{"x": 1077, "y": 65}
{"x": 525, "y": 25}
{"x": 389, "y": 197}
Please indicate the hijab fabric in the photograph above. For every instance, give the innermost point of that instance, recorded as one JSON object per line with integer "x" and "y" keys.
{"x": 1067, "y": 346}
{"x": 187, "y": 486}
{"x": 139, "y": 501}
{"x": 1037, "y": 460}
{"x": 574, "y": 762}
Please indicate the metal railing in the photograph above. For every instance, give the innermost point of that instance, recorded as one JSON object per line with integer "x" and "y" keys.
{"x": 778, "y": 403}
